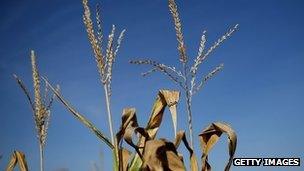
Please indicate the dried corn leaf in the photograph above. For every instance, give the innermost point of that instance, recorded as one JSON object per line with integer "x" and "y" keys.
{"x": 80, "y": 117}
{"x": 17, "y": 157}
{"x": 171, "y": 98}
{"x": 210, "y": 136}
{"x": 161, "y": 155}
{"x": 181, "y": 136}
{"x": 164, "y": 98}
{"x": 128, "y": 119}
{"x": 124, "y": 156}
{"x": 129, "y": 126}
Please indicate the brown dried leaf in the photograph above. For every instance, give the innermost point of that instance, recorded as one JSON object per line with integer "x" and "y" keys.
{"x": 129, "y": 126}
{"x": 128, "y": 119}
{"x": 124, "y": 156}
{"x": 210, "y": 136}
{"x": 181, "y": 136}
{"x": 161, "y": 155}
{"x": 171, "y": 98}
{"x": 164, "y": 98}
{"x": 17, "y": 157}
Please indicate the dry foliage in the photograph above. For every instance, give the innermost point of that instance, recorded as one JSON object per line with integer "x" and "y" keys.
{"x": 149, "y": 153}
{"x": 210, "y": 136}
{"x": 17, "y": 158}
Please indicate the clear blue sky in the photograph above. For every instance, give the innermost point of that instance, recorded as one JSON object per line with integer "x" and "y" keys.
{"x": 259, "y": 92}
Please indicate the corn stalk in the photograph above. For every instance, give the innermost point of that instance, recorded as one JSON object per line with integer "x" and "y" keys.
{"x": 40, "y": 106}
{"x": 185, "y": 78}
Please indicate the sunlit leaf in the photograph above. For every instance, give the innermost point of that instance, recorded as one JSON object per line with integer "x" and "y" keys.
{"x": 124, "y": 156}
{"x": 210, "y": 136}
{"x": 17, "y": 158}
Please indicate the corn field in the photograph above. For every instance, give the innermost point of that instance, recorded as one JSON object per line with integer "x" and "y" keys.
{"x": 135, "y": 141}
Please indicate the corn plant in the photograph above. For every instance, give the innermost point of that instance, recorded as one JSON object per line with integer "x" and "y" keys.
{"x": 146, "y": 149}
{"x": 186, "y": 77}
{"x": 158, "y": 154}
{"x": 40, "y": 107}
{"x": 148, "y": 152}
{"x": 104, "y": 60}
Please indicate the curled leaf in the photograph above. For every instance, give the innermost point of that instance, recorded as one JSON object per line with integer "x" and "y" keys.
{"x": 128, "y": 119}
{"x": 129, "y": 126}
{"x": 171, "y": 98}
{"x": 210, "y": 136}
{"x": 164, "y": 98}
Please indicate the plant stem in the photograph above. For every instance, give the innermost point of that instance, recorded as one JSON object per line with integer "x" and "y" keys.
{"x": 109, "y": 112}
{"x": 41, "y": 157}
{"x": 188, "y": 102}
{"x": 113, "y": 140}
{"x": 188, "y": 106}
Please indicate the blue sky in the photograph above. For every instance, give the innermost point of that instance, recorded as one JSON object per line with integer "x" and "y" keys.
{"x": 259, "y": 92}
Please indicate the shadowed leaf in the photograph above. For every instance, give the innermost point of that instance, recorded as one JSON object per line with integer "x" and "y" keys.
{"x": 161, "y": 155}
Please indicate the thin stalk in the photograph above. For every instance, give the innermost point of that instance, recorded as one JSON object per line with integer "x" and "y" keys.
{"x": 109, "y": 112}
{"x": 113, "y": 140}
{"x": 41, "y": 157}
{"x": 188, "y": 102}
{"x": 189, "y": 112}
